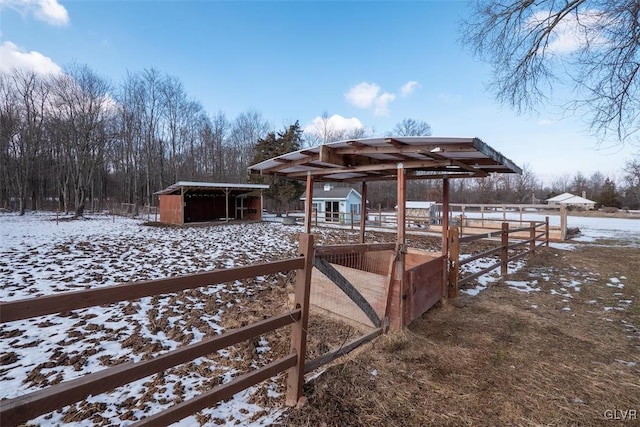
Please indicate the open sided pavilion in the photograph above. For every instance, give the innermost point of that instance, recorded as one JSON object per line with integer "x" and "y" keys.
{"x": 388, "y": 282}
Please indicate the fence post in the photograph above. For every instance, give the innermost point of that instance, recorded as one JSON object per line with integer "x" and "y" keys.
{"x": 351, "y": 220}
{"x": 295, "y": 374}
{"x": 504, "y": 253}
{"x": 454, "y": 261}
{"x": 532, "y": 237}
{"x": 546, "y": 231}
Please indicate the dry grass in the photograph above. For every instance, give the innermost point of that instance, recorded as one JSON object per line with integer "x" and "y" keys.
{"x": 495, "y": 360}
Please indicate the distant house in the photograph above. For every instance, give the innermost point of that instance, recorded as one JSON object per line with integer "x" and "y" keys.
{"x": 186, "y": 201}
{"x": 568, "y": 199}
{"x": 335, "y": 204}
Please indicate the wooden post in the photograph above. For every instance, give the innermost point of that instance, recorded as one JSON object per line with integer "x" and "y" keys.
{"x": 363, "y": 211}
{"x": 295, "y": 374}
{"x": 482, "y": 216}
{"x": 308, "y": 204}
{"x": 402, "y": 203}
{"x": 351, "y": 219}
{"x": 226, "y": 204}
{"x": 401, "y": 281}
{"x": 454, "y": 262}
{"x": 445, "y": 216}
{"x": 563, "y": 222}
{"x": 532, "y": 237}
{"x": 504, "y": 253}
{"x": 546, "y": 231}
{"x": 380, "y": 214}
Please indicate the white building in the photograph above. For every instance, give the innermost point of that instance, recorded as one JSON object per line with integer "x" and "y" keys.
{"x": 335, "y": 204}
{"x": 568, "y": 199}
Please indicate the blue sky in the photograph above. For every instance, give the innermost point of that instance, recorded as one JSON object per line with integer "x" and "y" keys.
{"x": 294, "y": 60}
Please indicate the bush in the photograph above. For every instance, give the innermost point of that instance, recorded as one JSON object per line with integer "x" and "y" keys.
{"x": 609, "y": 209}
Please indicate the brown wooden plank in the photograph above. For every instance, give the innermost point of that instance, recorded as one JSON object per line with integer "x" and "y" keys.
{"x": 295, "y": 374}
{"x": 479, "y": 273}
{"x": 481, "y": 255}
{"x": 425, "y": 283}
{"x": 66, "y": 301}
{"x": 23, "y": 408}
{"x": 355, "y": 248}
{"x": 329, "y": 357}
{"x": 221, "y": 392}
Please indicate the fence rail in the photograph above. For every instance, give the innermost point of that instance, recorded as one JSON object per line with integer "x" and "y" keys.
{"x": 531, "y": 242}
{"x": 24, "y": 408}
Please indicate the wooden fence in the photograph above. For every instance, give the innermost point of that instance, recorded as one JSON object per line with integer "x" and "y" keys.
{"x": 24, "y": 408}
{"x": 510, "y": 240}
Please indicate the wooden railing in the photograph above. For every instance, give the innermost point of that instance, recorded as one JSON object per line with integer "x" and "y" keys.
{"x": 24, "y": 408}
{"x": 534, "y": 238}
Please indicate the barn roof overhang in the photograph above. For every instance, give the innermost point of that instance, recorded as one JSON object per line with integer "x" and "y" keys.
{"x": 377, "y": 159}
{"x": 211, "y": 187}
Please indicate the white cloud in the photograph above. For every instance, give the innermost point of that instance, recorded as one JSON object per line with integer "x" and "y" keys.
{"x": 335, "y": 123}
{"x": 572, "y": 32}
{"x": 367, "y": 95}
{"x": 381, "y": 104}
{"x": 13, "y": 57}
{"x": 362, "y": 95}
{"x": 409, "y": 87}
{"x": 49, "y": 11}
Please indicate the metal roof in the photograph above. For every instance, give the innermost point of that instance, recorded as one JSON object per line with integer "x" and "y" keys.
{"x": 337, "y": 193}
{"x": 194, "y": 185}
{"x": 372, "y": 159}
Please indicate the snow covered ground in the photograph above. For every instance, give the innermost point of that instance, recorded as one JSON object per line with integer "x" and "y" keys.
{"x": 40, "y": 257}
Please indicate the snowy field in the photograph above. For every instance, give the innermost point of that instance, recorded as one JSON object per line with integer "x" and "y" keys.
{"x": 40, "y": 257}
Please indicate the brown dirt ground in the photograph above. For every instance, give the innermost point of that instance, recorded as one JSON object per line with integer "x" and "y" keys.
{"x": 494, "y": 359}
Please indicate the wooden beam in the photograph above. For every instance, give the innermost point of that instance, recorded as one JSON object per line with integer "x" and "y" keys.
{"x": 363, "y": 211}
{"x": 445, "y": 216}
{"x": 211, "y": 397}
{"x": 21, "y": 409}
{"x": 291, "y": 163}
{"x": 328, "y": 155}
{"x": 295, "y": 374}
{"x": 372, "y": 168}
{"x": 344, "y": 349}
{"x": 67, "y": 301}
{"x": 405, "y": 148}
{"x": 308, "y": 204}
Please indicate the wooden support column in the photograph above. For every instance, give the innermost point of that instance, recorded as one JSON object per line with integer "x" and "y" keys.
{"x": 308, "y": 205}
{"x": 182, "y": 205}
{"x": 363, "y": 212}
{"x": 546, "y": 231}
{"x": 401, "y": 280}
{"x": 532, "y": 237}
{"x": 445, "y": 216}
{"x": 402, "y": 204}
{"x": 504, "y": 253}
{"x": 454, "y": 262}
{"x": 226, "y": 204}
{"x": 563, "y": 222}
{"x": 295, "y": 374}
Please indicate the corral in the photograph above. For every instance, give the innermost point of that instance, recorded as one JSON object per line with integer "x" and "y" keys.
{"x": 407, "y": 281}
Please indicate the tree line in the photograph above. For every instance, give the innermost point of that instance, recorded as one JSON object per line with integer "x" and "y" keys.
{"x": 74, "y": 138}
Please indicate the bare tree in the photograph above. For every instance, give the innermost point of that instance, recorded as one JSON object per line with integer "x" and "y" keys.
{"x": 411, "y": 127}
{"x": 533, "y": 45}
{"x": 82, "y": 109}
{"x": 24, "y": 105}
{"x": 246, "y": 130}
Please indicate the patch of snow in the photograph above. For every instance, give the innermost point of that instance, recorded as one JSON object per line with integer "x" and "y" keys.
{"x": 523, "y": 286}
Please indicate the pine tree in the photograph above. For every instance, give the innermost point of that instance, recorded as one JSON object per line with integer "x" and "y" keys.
{"x": 282, "y": 190}
{"x": 609, "y": 197}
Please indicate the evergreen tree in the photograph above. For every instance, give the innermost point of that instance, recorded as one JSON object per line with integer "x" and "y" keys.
{"x": 282, "y": 190}
{"x": 609, "y": 196}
